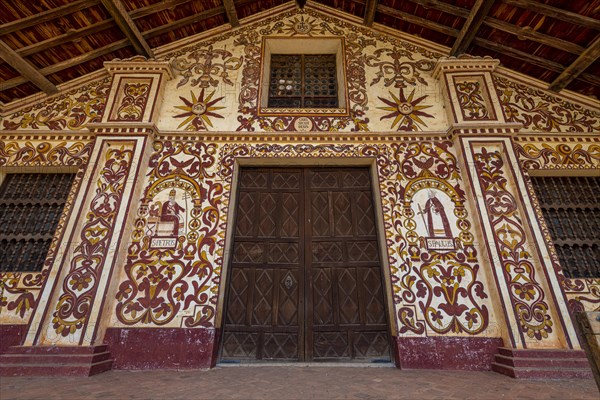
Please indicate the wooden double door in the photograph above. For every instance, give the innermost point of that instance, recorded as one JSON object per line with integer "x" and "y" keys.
{"x": 305, "y": 279}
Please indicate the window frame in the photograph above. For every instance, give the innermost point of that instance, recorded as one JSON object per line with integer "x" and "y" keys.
{"x": 64, "y": 203}
{"x": 291, "y": 45}
{"x": 568, "y": 239}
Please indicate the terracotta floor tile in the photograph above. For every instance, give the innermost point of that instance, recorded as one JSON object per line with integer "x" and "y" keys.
{"x": 284, "y": 383}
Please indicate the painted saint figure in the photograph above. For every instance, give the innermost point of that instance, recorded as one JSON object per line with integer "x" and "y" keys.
{"x": 169, "y": 215}
{"x": 437, "y": 222}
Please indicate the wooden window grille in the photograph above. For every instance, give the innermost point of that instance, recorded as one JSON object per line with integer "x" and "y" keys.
{"x": 30, "y": 207}
{"x": 303, "y": 81}
{"x": 571, "y": 208}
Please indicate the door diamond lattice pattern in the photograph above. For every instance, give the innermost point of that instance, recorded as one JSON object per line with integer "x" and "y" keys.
{"x": 305, "y": 277}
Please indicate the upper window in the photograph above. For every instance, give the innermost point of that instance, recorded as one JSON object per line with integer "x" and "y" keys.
{"x": 30, "y": 207}
{"x": 303, "y": 81}
{"x": 571, "y": 208}
{"x": 303, "y": 77}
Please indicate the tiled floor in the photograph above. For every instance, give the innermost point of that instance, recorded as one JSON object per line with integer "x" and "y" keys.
{"x": 291, "y": 382}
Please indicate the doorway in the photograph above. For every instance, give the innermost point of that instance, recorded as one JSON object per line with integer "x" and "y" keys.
{"x": 305, "y": 279}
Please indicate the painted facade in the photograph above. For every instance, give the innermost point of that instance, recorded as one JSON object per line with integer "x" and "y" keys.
{"x": 143, "y": 245}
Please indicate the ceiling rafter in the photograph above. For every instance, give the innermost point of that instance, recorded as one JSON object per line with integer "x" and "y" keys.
{"x": 417, "y": 20}
{"x": 370, "y": 10}
{"x": 445, "y": 7}
{"x": 159, "y": 30}
{"x": 469, "y": 30}
{"x": 128, "y": 27}
{"x": 154, "y": 8}
{"x": 533, "y": 35}
{"x": 514, "y": 29}
{"x": 231, "y": 13}
{"x": 531, "y": 59}
{"x": 54, "y": 68}
{"x": 65, "y": 38}
{"x": 72, "y": 35}
{"x": 570, "y": 73}
{"x": 557, "y": 13}
{"x": 46, "y": 16}
{"x": 28, "y": 71}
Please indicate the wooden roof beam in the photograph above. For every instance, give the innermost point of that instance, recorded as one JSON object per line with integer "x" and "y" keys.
{"x": 471, "y": 26}
{"x": 556, "y": 13}
{"x": 46, "y": 16}
{"x": 586, "y": 58}
{"x": 54, "y": 68}
{"x": 128, "y": 27}
{"x": 71, "y": 35}
{"x": 445, "y": 7}
{"x": 370, "y": 9}
{"x": 531, "y": 59}
{"x": 25, "y": 69}
{"x": 159, "y": 30}
{"x": 413, "y": 19}
{"x": 528, "y": 33}
{"x": 231, "y": 13}
{"x": 157, "y": 7}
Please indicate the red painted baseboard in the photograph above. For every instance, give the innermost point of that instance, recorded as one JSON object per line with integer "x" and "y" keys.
{"x": 441, "y": 352}
{"x": 11, "y": 335}
{"x": 162, "y": 348}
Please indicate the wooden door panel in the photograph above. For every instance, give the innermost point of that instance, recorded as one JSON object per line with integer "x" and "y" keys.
{"x": 346, "y": 317}
{"x": 331, "y": 345}
{"x": 265, "y": 303}
{"x": 305, "y": 280}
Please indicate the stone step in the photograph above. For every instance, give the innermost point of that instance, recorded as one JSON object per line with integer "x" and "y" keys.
{"x": 34, "y": 358}
{"x": 543, "y": 373}
{"x": 542, "y": 362}
{"x": 55, "y": 360}
{"x": 541, "y": 353}
{"x": 28, "y": 369}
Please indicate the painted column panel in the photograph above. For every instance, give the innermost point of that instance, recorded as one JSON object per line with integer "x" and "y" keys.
{"x": 528, "y": 284}
{"x": 69, "y": 318}
{"x": 72, "y": 300}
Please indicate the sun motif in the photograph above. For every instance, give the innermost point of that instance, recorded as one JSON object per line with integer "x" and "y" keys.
{"x": 198, "y": 111}
{"x": 299, "y": 26}
{"x": 407, "y": 112}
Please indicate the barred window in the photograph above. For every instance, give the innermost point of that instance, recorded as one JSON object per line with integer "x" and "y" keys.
{"x": 571, "y": 208}
{"x": 303, "y": 81}
{"x": 30, "y": 207}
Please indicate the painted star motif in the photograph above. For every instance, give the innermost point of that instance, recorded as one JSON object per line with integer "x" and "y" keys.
{"x": 198, "y": 111}
{"x": 406, "y": 111}
{"x": 299, "y": 26}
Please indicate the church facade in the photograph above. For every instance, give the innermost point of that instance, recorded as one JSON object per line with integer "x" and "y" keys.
{"x": 218, "y": 211}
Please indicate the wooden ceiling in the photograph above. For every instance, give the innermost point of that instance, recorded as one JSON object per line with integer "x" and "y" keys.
{"x": 47, "y": 42}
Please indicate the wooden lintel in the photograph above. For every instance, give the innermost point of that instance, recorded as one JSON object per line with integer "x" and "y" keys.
{"x": 556, "y": 13}
{"x": 413, "y": 19}
{"x": 370, "y": 9}
{"x": 533, "y": 35}
{"x": 231, "y": 13}
{"x": 586, "y": 58}
{"x": 27, "y": 70}
{"x": 128, "y": 27}
{"x": 46, "y": 16}
{"x": 471, "y": 26}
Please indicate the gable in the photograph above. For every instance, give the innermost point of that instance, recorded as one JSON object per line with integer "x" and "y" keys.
{"x": 389, "y": 78}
